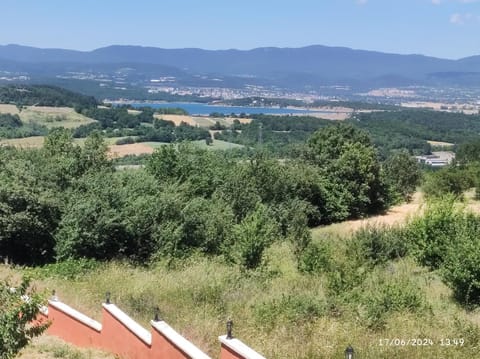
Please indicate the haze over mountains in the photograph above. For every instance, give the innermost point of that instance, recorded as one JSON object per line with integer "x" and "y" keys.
{"x": 293, "y": 68}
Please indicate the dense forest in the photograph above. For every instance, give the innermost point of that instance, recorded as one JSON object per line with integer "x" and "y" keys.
{"x": 390, "y": 130}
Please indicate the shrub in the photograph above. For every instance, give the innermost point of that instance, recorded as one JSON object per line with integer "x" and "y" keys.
{"x": 290, "y": 309}
{"x": 380, "y": 244}
{"x": 70, "y": 269}
{"x": 252, "y": 236}
{"x": 432, "y": 233}
{"x": 461, "y": 267}
{"x": 125, "y": 141}
{"x": 16, "y": 316}
{"x": 389, "y": 296}
{"x": 314, "y": 258}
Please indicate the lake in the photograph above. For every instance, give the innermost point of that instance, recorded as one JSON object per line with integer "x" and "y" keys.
{"x": 204, "y": 109}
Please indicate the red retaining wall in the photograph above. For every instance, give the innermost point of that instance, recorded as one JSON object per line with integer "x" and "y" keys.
{"x": 121, "y": 335}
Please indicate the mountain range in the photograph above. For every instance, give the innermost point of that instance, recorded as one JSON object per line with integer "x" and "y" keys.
{"x": 294, "y": 68}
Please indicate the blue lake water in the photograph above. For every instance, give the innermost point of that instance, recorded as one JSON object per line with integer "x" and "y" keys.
{"x": 204, "y": 109}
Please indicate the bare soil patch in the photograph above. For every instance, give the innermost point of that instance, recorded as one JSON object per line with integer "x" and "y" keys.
{"x": 130, "y": 149}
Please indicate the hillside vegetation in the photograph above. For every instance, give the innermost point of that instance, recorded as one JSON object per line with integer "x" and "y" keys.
{"x": 212, "y": 235}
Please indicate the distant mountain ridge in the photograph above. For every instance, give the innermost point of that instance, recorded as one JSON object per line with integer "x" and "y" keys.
{"x": 311, "y": 65}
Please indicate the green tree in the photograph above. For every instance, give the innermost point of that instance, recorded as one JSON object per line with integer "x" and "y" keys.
{"x": 29, "y": 210}
{"x": 92, "y": 225}
{"x": 402, "y": 174}
{"x": 347, "y": 156}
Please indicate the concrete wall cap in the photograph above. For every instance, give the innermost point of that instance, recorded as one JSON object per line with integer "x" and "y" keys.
{"x": 182, "y": 343}
{"x": 44, "y": 310}
{"x": 132, "y": 325}
{"x": 76, "y": 314}
{"x": 240, "y": 348}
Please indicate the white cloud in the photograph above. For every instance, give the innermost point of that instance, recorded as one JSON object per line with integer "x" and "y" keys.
{"x": 461, "y": 19}
{"x": 361, "y": 2}
{"x": 438, "y": 2}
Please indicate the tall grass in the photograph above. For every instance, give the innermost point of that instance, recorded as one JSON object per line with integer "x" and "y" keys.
{"x": 362, "y": 289}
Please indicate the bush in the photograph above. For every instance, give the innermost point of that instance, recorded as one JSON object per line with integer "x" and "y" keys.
{"x": 461, "y": 267}
{"x": 432, "y": 233}
{"x": 380, "y": 244}
{"x": 16, "y": 316}
{"x": 449, "y": 180}
{"x": 389, "y": 296}
{"x": 125, "y": 141}
{"x": 252, "y": 236}
{"x": 70, "y": 269}
{"x": 315, "y": 258}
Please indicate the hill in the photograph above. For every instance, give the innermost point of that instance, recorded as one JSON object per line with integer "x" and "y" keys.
{"x": 43, "y": 95}
{"x": 291, "y": 67}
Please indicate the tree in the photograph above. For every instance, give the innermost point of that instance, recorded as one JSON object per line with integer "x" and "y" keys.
{"x": 29, "y": 210}
{"x": 92, "y": 225}
{"x": 94, "y": 154}
{"x": 19, "y": 308}
{"x": 346, "y": 155}
{"x": 402, "y": 174}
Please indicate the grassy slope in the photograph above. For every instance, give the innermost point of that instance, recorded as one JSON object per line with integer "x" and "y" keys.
{"x": 48, "y": 116}
{"x": 54, "y": 117}
{"x": 198, "y": 296}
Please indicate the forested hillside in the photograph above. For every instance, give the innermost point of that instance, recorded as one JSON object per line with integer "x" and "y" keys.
{"x": 43, "y": 95}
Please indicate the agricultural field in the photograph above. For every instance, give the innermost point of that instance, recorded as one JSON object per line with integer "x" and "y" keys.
{"x": 11, "y": 109}
{"x": 37, "y": 141}
{"x": 48, "y": 116}
{"x": 201, "y": 121}
{"x": 118, "y": 150}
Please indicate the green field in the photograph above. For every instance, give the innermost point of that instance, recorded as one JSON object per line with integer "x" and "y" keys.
{"x": 48, "y": 116}
{"x": 54, "y": 117}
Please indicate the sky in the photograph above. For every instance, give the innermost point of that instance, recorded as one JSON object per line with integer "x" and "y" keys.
{"x": 441, "y": 28}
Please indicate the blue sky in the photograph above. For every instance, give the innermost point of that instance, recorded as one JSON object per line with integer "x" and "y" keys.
{"x": 442, "y": 28}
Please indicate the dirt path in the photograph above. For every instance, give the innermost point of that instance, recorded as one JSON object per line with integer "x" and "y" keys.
{"x": 396, "y": 214}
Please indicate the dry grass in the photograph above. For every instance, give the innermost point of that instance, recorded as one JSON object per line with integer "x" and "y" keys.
{"x": 129, "y": 149}
{"x": 27, "y": 142}
{"x": 395, "y": 215}
{"x": 11, "y": 109}
{"x": 201, "y": 121}
{"x": 37, "y": 141}
{"x": 177, "y": 119}
{"x": 441, "y": 144}
{"x": 48, "y": 347}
